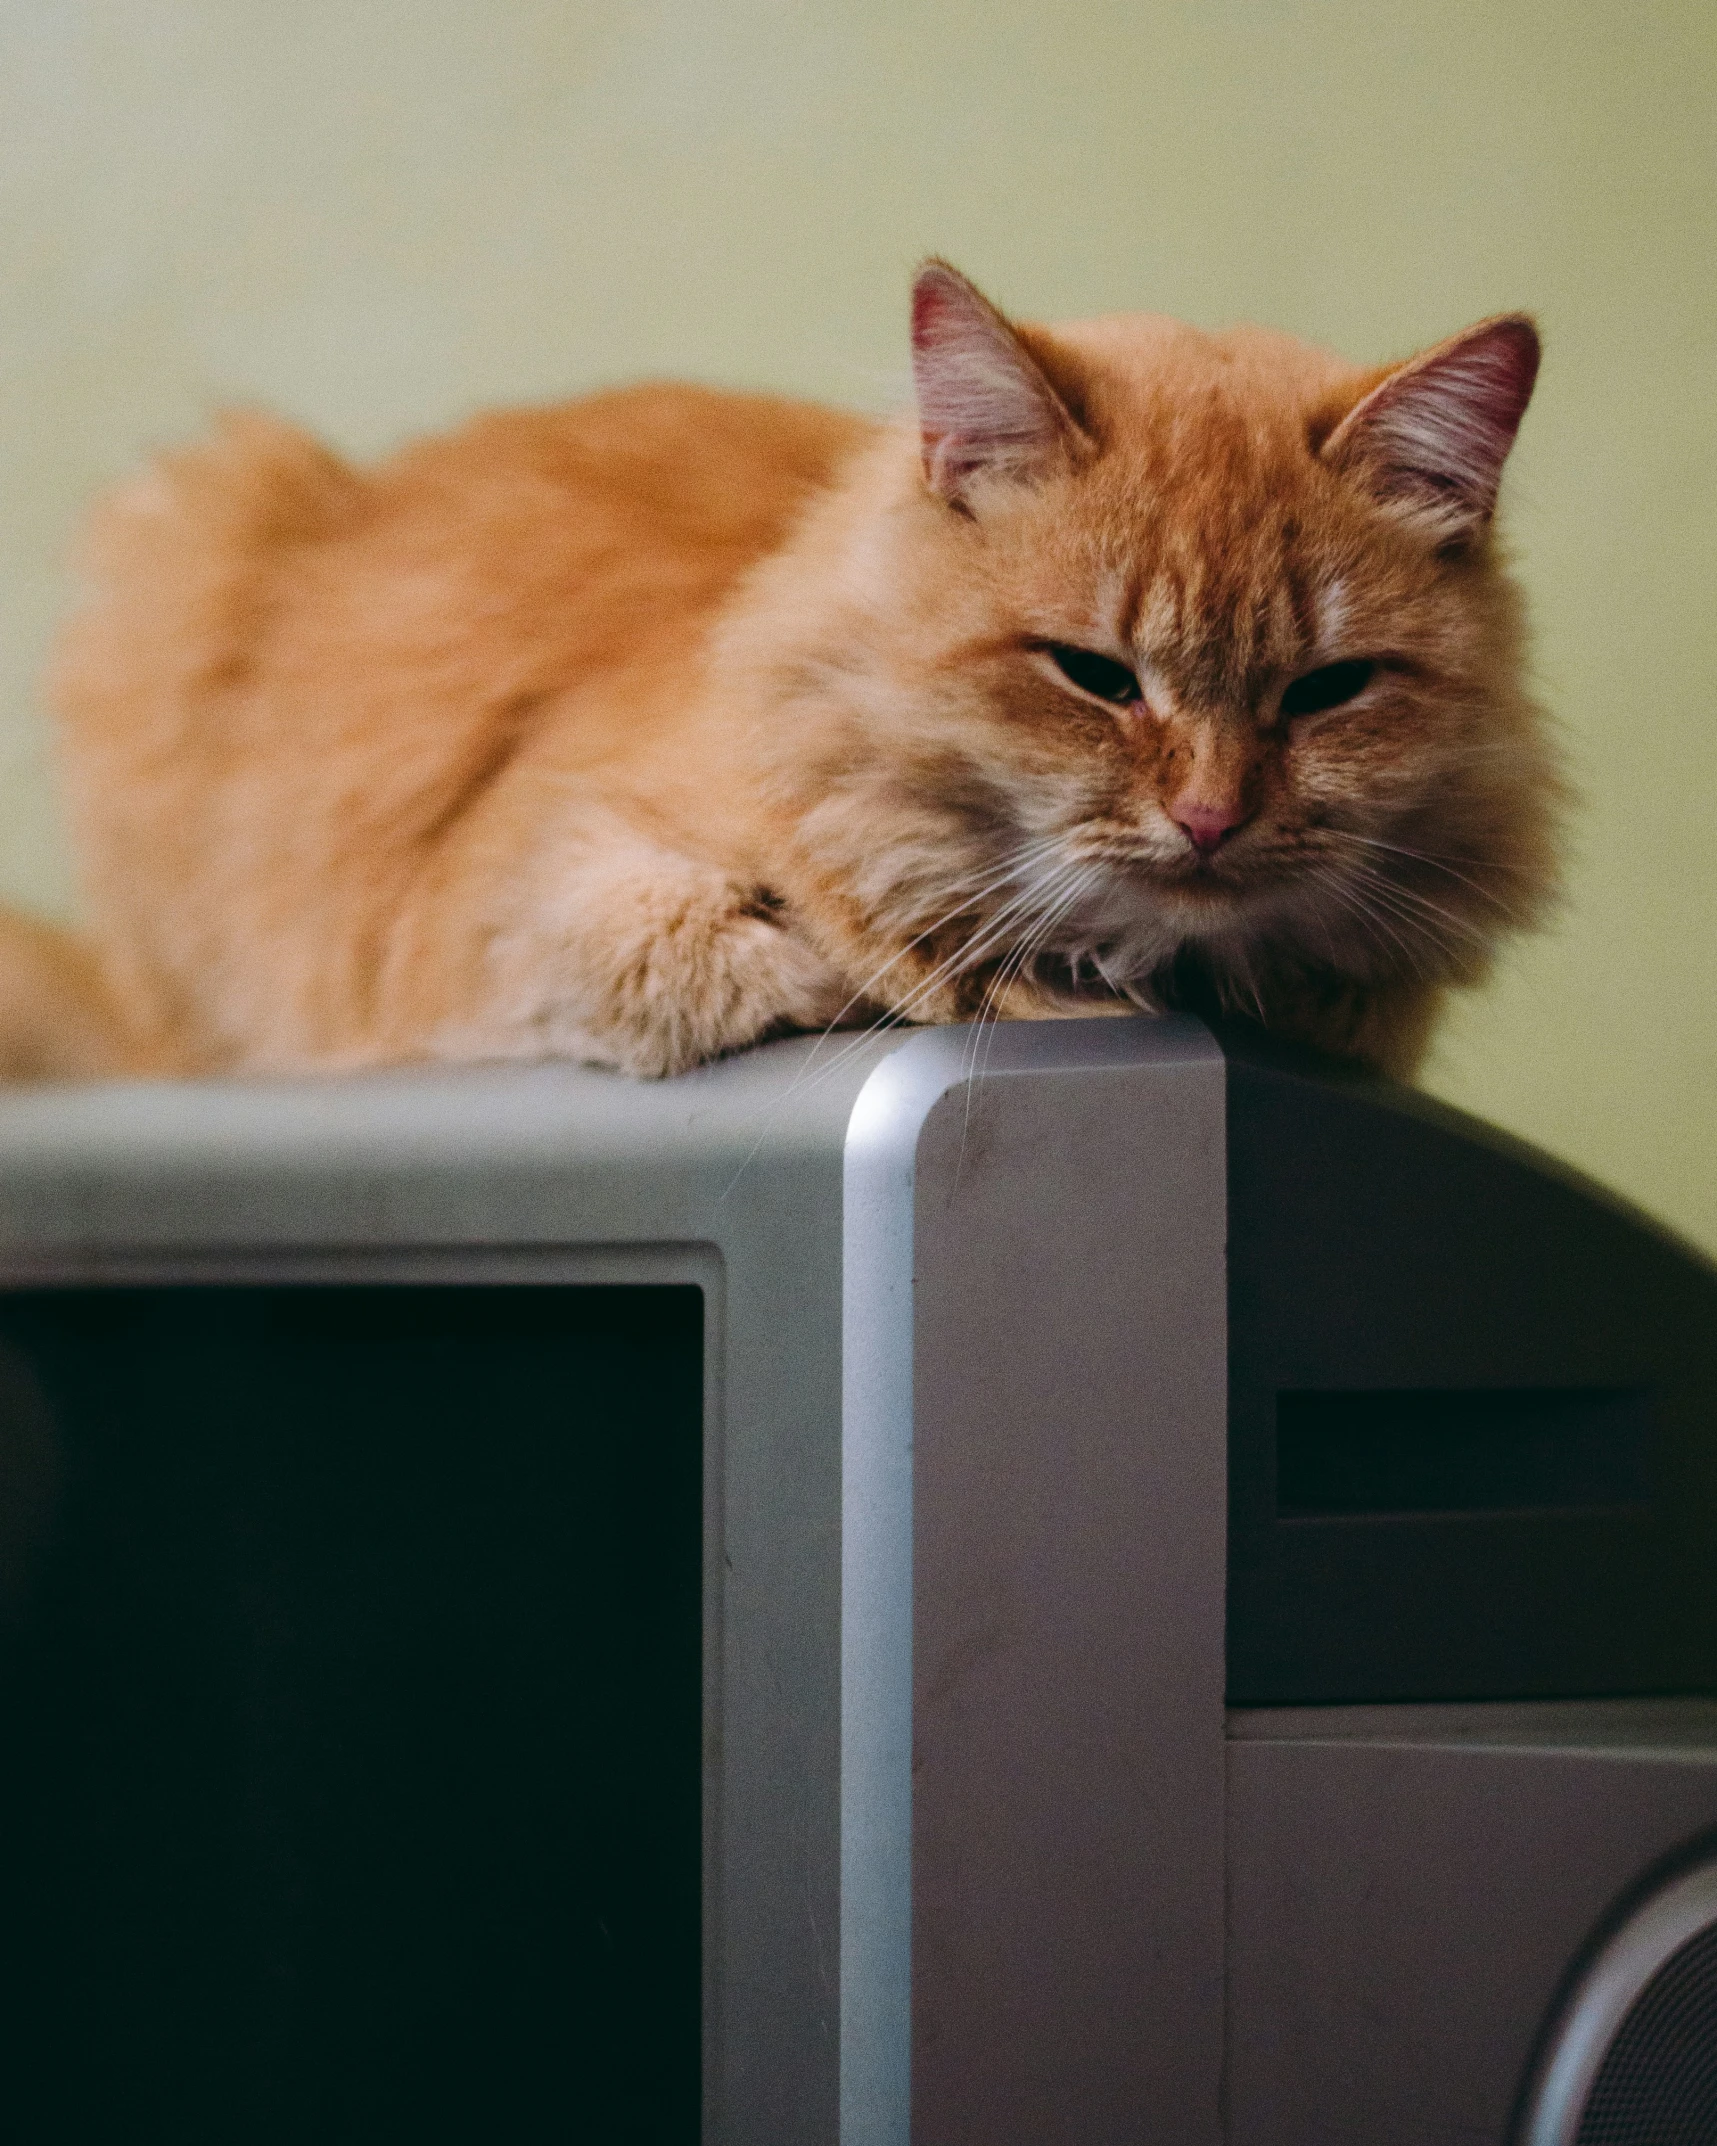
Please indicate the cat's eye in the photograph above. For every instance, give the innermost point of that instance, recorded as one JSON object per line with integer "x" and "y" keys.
{"x": 1093, "y": 673}
{"x": 1328, "y": 687}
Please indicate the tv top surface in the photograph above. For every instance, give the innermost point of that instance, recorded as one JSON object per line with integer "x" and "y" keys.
{"x": 490, "y": 1154}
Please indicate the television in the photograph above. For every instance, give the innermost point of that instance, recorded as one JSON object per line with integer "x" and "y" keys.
{"x": 1090, "y": 1581}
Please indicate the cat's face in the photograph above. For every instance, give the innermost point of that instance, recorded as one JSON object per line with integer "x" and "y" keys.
{"x": 1206, "y": 631}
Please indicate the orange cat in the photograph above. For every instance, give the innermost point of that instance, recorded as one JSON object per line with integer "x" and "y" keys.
{"x": 1144, "y": 666}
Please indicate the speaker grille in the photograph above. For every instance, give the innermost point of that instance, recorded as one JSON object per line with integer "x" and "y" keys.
{"x": 1657, "y": 2085}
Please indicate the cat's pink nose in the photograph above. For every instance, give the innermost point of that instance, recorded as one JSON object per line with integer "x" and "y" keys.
{"x": 1208, "y": 826}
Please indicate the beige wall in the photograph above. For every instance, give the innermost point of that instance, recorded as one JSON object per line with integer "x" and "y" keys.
{"x": 376, "y": 214}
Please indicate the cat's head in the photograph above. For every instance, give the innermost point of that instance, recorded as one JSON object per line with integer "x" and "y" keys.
{"x": 1201, "y": 641}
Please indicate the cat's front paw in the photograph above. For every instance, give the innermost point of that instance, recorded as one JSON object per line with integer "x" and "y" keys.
{"x": 652, "y": 963}
{"x": 707, "y": 987}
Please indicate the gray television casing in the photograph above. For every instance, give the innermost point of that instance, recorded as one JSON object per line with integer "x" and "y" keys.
{"x": 988, "y": 1856}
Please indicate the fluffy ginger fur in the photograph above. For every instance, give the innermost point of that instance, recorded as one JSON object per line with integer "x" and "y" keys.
{"x": 640, "y": 728}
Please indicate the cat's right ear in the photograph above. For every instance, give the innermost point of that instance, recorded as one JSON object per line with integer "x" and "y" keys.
{"x": 985, "y": 406}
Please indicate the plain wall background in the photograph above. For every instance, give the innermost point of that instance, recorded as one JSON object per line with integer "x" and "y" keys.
{"x": 377, "y": 215}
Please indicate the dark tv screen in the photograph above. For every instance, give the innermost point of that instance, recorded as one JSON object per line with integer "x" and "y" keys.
{"x": 350, "y": 1679}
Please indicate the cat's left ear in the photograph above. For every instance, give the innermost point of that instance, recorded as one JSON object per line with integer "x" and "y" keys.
{"x": 1432, "y": 439}
{"x": 985, "y": 405}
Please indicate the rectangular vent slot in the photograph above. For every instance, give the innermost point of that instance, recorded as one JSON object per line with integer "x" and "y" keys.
{"x": 1508, "y": 1450}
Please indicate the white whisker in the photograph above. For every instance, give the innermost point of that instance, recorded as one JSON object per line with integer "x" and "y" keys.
{"x": 1437, "y": 864}
{"x": 1353, "y": 901}
{"x": 1432, "y": 917}
{"x": 983, "y": 1034}
{"x": 972, "y": 950}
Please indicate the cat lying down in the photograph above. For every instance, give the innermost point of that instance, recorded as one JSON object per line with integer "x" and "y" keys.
{"x": 1140, "y": 667}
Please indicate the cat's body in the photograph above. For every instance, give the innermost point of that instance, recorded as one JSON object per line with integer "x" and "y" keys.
{"x": 378, "y": 767}
{"x": 636, "y": 729}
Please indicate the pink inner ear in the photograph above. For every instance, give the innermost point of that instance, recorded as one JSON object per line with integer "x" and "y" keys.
{"x": 983, "y": 404}
{"x": 1435, "y": 434}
